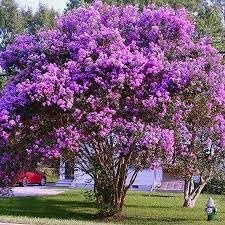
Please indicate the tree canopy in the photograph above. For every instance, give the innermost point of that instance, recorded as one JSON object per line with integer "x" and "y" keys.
{"x": 209, "y": 18}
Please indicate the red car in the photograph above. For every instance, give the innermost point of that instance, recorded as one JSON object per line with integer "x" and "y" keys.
{"x": 25, "y": 178}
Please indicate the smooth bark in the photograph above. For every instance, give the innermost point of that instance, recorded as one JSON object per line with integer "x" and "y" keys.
{"x": 192, "y": 192}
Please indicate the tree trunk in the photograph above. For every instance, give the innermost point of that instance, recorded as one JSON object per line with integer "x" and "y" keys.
{"x": 109, "y": 170}
{"x": 192, "y": 193}
{"x": 110, "y": 200}
{"x": 111, "y": 188}
{"x": 189, "y": 202}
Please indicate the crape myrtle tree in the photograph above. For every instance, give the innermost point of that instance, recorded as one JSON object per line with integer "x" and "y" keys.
{"x": 199, "y": 124}
{"x": 105, "y": 84}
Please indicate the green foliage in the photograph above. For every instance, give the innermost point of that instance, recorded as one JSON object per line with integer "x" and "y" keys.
{"x": 50, "y": 173}
{"x": 73, "y": 4}
{"x": 28, "y": 21}
{"x": 16, "y": 21}
{"x": 43, "y": 18}
{"x": 215, "y": 186}
{"x": 209, "y": 21}
{"x": 3, "y": 80}
{"x": 191, "y": 5}
{"x": 10, "y": 17}
{"x": 11, "y": 21}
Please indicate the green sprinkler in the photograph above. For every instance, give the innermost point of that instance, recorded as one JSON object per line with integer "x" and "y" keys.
{"x": 210, "y": 209}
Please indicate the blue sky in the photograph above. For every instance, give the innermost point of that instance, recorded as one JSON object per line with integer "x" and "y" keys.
{"x": 56, "y": 4}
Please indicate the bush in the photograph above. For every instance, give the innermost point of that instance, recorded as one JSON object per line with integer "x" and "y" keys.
{"x": 215, "y": 186}
{"x": 51, "y": 174}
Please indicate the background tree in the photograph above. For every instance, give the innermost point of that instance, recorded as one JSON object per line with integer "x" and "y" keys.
{"x": 11, "y": 21}
{"x": 28, "y": 21}
{"x": 43, "y": 18}
{"x": 221, "y": 6}
{"x": 16, "y": 21}
{"x": 71, "y": 4}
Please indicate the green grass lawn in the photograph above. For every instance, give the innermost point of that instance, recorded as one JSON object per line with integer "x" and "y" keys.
{"x": 72, "y": 208}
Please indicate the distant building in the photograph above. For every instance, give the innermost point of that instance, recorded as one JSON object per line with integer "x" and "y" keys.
{"x": 147, "y": 180}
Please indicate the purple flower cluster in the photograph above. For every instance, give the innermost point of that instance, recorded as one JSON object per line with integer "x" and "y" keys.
{"x": 68, "y": 138}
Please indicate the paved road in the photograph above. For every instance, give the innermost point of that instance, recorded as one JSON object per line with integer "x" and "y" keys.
{"x": 36, "y": 191}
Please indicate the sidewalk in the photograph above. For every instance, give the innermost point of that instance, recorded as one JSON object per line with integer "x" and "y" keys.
{"x": 37, "y": 191}
{"x": 11, "y": 224}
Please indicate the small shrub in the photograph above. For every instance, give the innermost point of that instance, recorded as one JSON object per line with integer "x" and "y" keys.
{"x": 215, "y": 186}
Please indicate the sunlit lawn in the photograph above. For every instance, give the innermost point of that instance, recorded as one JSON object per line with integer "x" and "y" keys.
{"x": 73, "y": 209}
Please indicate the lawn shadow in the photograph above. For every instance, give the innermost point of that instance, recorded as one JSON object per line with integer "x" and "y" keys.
{"x": 48, "y": 208}
{"x": 160, "y": 195}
